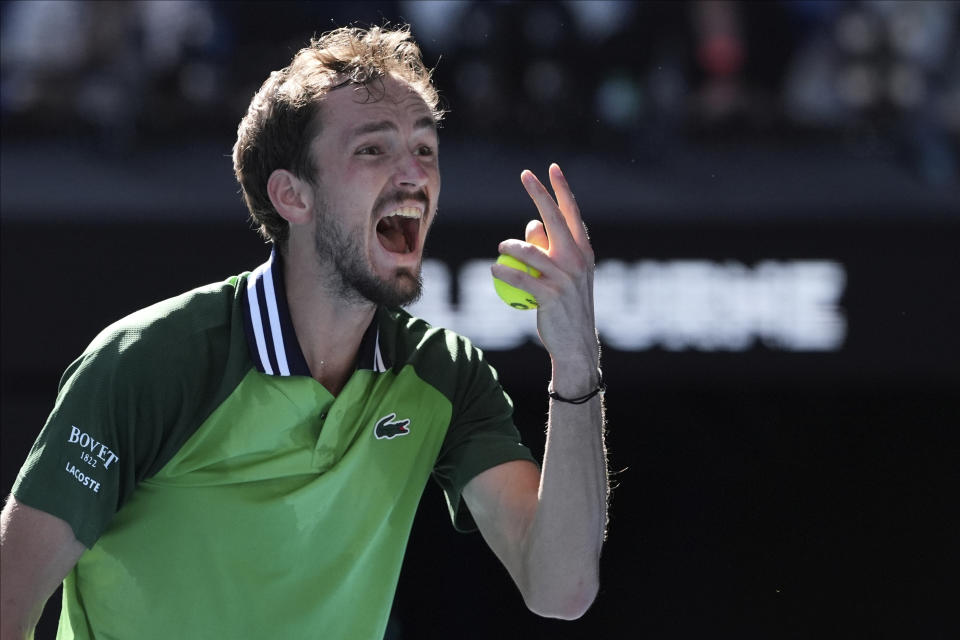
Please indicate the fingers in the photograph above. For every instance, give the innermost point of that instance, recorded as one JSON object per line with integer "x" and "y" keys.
{"x": 521, "y": 279}
{"x": 568, "y": 206}
{"x": 553, "y": 219}
{"x": 536, "y": 234}
{"x": 529, "y": 253}
{"x": 561, "y": 217}
{"x": 557, "y": 247}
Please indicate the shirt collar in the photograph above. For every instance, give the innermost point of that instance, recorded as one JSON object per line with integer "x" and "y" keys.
{"x": 271, "y": 339}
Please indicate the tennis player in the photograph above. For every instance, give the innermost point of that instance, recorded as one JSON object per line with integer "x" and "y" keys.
{"x": 245, "y": 460}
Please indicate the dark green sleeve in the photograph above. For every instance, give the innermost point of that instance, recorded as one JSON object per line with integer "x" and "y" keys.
{"x": 481, "y": 433}
{"x": 128, "y": 403}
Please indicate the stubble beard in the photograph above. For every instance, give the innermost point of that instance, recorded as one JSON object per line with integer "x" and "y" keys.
{"x": 341, "y": 254}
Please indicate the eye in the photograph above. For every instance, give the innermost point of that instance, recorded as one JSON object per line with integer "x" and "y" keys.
{"x": 369, "y": 150}
{"x": 424, "y": 150}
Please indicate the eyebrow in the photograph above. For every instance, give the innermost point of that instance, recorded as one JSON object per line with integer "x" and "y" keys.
{"x": 426, "y": 122}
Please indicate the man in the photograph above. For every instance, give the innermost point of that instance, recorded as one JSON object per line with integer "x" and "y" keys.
{"x": 245, "y": 460}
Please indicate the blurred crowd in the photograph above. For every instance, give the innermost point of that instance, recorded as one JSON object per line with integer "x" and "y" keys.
{"x": 633, "y": 77}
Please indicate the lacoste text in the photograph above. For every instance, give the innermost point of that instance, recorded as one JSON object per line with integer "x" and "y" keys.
{"x": 83, "y": 478}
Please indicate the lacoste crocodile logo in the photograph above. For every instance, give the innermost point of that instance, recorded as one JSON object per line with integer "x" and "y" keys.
{"x": 388, "y": 428}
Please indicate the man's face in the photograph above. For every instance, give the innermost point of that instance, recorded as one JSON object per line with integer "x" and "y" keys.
{"x": 376, "y": 192}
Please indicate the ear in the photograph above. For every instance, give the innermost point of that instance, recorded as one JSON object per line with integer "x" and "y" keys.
{"x": 291, "y": 196}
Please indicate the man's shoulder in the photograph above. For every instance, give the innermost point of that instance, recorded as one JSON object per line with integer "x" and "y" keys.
{"x": 443, "y": 358}
{"x": 412, "y": 334}
{"x": 191, "y": 323}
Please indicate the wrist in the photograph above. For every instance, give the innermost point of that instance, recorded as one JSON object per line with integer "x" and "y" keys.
{"x": 575, "y": 375}
{"x": 584, "y": 390}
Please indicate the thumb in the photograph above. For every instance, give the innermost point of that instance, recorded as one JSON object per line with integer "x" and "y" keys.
{"x": 536, "y": 234}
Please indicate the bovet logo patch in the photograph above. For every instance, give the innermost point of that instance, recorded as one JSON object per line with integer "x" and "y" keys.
{"x": 93, "y": 450}
{"x": 388, "y": 427}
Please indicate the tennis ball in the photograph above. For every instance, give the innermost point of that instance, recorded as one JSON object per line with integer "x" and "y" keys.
{"x": 514, "y": 296}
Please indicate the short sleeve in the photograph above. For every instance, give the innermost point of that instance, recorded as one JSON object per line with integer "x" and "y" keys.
{"x": 481, "y": 435}
{"x": 82, "y": 466}
{"x": 125, "y": 407}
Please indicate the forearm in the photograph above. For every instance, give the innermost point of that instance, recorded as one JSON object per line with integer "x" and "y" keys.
{"x": 563, "y": 543}
{"x": 19, "y": 608}
{"x": 36, "y": 551}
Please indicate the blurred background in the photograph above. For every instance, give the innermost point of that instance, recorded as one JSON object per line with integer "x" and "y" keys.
{"x": 773, "y": 195}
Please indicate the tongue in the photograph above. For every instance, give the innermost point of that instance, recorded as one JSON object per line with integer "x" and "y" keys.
{"x": 390, "y": 232}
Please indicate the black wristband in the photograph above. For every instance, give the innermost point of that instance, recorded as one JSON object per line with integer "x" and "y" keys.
{"x": 601, "y": 388}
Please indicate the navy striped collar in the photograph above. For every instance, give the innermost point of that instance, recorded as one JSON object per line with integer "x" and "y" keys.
{"x": 271, "y": 339}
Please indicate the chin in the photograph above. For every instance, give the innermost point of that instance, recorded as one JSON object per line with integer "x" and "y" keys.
{"x": 408, "y": 287}
{"x": 399, "y": 289}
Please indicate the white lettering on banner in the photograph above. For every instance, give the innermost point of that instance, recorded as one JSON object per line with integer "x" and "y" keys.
{"x": 87, "y": 442}
{"x": 83, "y": 478}
{"x": 680, "y": 304}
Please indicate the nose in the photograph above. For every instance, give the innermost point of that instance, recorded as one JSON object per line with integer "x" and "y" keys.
{"x": 410, "y": 173}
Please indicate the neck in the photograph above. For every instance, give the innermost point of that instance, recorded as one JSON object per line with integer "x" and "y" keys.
{"x": 328, "y": 327}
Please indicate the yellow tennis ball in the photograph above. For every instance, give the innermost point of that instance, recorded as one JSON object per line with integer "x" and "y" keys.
{"x": 514, "y": 296}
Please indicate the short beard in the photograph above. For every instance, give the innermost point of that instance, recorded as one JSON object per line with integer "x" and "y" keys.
{"x": 354, "y": 281}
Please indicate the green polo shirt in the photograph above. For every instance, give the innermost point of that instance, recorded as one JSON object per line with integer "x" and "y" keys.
{"x": 222, "y": 492}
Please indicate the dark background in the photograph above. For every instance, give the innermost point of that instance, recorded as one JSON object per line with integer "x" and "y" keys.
{"x": 757, "y": 493}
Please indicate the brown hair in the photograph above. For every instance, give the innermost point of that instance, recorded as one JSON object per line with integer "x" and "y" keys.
{"x": 283, "y": 116}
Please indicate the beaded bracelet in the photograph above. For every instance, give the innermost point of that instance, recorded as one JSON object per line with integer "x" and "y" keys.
{"x": 601, "y": 388}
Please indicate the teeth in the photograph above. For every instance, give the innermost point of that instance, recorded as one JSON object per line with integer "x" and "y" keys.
{"x": 407, "y": 212}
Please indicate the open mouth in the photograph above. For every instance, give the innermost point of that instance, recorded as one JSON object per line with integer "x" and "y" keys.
{"x": 400, "y": 231}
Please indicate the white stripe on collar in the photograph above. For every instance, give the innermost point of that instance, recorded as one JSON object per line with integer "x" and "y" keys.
{"x": 254, "y": 304}
{"x": 274, "y": 315}
{"x": 378, "y": 365}
{"x": 265, "y": 273}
